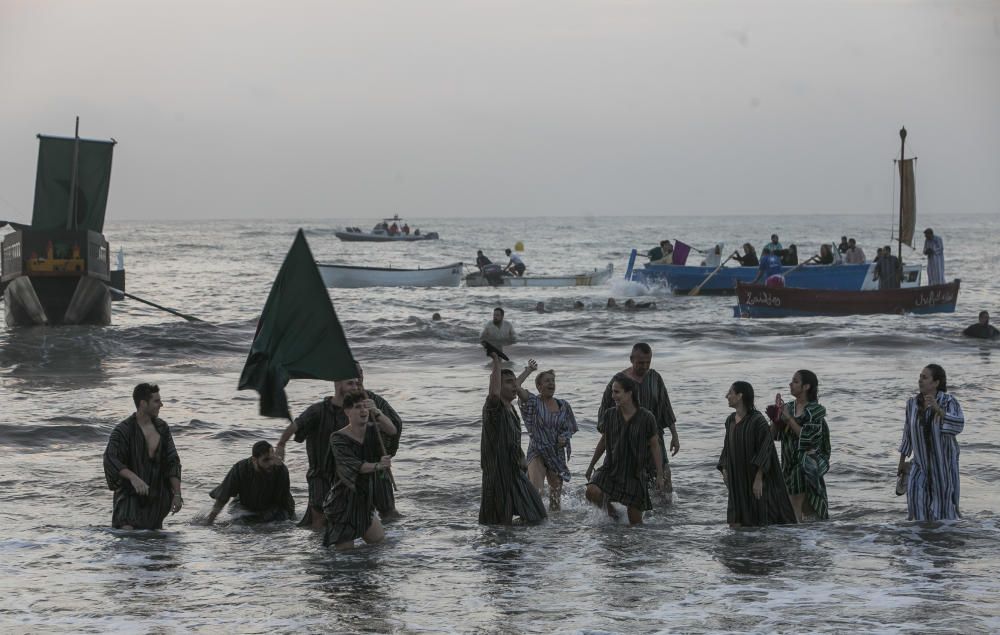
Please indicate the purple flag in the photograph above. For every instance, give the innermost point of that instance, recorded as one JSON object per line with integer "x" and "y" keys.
{"x": 681, "y": 251}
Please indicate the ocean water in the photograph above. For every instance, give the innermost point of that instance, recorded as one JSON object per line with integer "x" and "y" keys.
{"x": 867, "y": 569}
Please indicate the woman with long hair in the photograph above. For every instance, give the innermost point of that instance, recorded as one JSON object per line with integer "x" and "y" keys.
{"x": 749, "y": 466}
{"x": 933, "y": 419}
{"x": 629, "y": 438}
{"x": 805, "y": 446}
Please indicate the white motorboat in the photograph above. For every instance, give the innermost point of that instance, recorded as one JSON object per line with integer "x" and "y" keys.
{"x": 587, "y": 279}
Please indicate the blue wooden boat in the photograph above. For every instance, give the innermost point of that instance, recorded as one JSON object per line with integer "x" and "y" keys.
{"x": 759, "y": 301}
{"x": 681, "y": 279}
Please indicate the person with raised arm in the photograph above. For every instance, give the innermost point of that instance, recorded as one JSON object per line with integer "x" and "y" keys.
{"x": 550, "y": 424}
{"x": 506, "y": 490}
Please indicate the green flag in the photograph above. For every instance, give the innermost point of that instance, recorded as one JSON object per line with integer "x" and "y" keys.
{"x": 298, "y": 335}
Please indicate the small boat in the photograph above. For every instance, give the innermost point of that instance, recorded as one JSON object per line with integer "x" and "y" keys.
{"x": 682, "y": 278}
{"x": 588, "y": 279}
{"x": 756, "y": 300}
{"x": 390, "y": 230}
{"x": 57, "y": 270}
{"x": 350, "y": 277}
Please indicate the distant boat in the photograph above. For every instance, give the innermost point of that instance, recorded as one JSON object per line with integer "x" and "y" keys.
{"x": 351, "y": 277}
{"x": 388, "y": 231}
{"x": 57, "y": 270}
{"x": 759, "y": 301}
{"x": 587, "y": 279}
{"x": 682, "y": 278}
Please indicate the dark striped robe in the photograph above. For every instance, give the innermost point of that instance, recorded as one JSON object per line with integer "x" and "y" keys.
{"x": 748, "y": 447}
{"x": 268, "y": 495}
{"x": 622, "y": 476}
{"x": 652, "y": 396}
{"x": 805, "y": 459}
{"x": 507, "y": 492}
{"x": 127, "y": 449}
{"x": 932, "y": 490}
{"x": 349, "y": 504}
{"x": 316, "y": 424}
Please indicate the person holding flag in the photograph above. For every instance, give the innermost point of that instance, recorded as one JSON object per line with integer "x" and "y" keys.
{"x": 299, "y": 337}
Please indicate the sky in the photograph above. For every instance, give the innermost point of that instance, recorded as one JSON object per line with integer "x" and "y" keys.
{"x": 479, "y": 108}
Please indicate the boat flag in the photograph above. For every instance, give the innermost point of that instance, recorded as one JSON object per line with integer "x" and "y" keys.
{"x": 298, "y": 334}
{"x": 681, "y": 251}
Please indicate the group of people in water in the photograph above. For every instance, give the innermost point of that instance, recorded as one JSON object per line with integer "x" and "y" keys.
{"x": 352, "y": 436}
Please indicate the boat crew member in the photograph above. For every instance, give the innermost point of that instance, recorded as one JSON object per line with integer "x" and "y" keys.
{"x": 516, "y": 265}
{"x": 651, "y": 395}
{"x": 749, "y": 257}
{"x": 406, "y": 229}
{"x": 261, "y": 486}
{"x": 498, "y": 332}
{"x": 667, "y": 254}
{"x": 142, "y": 467}
{"x": 887, "y": 270}
{"x": 774, "y": 245}
{"x": 825, "y": 254}
{"x": 656, "y": 253}
{"x": 843, "y": 246}
{"x": 854, "y": 254}
{"x": 982, "y": 329}
{"x": 934, "y": 250}
{"x": 482, "y": 260}
{"x": 769, "y": 270}
{"x": 714, "y": 257}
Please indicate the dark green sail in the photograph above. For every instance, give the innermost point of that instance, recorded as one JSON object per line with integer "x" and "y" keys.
{"x": 298, "y": 335}
{"x": 54, "y": 179}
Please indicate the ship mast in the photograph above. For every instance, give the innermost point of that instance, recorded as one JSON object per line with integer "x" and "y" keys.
{"x": 902, "y": 186}
{"x": 71, "y": 216}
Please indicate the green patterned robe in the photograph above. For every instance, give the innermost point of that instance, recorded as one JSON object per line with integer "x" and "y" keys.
{"x": 806, "y": 458}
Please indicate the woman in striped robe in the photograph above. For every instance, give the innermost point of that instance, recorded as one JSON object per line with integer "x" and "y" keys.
{"x": 630, "y": 437}
{"x": 805, "y": 447}
{"x": 933, "y": 419}
{"x": 550, "y": 424}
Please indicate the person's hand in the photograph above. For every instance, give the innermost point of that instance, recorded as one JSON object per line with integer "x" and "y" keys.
{"x": 758, "y": 487}
{"x": 589, "y": 473}
{"x": 373, "y": 411}
{"x": 494, "y": 357}
{"x": 385, "y": 462}
{"x": 279, "y": 450}
{"x": 661, "y": 484}
{"x": 139, "y": 485}
{"x": 177, "y": 503}
{"x": 561, "y": 441}
{"x": 532, "y": 366}
{"x": 675, "y": 444}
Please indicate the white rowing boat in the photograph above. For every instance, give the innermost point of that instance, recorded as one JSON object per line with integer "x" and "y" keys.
{"x": 350, "y": 277}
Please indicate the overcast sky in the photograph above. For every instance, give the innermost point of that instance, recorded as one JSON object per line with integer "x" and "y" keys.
{"x": 425, "y": 108}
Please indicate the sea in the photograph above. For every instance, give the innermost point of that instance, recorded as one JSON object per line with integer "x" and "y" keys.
{"x": 867, "y": 569}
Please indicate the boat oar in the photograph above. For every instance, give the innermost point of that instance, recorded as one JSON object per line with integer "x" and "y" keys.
{"x": 189, "y": 318}
{"x": 801, "y": 264}
{"x": 697, "y": 289}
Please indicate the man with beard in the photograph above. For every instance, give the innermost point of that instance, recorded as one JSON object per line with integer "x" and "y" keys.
{"x": 652, "y": 395}
{"x": 498, "y": 333}
{"x": 261, "y": 485}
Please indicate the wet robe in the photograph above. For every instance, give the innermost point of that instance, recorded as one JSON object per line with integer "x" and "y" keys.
{"x": 506, "y": 492}
{"x": 350, "y": 504}
{"x": 315, "y": 425}
{"x": 545, "y": 430}
{"x": 267, "y": 495}
{"x": 748, "y": 447}
{"x": 932, "y": 490}
{"x": 805, "y": 459}
{"x": 622, "y": 477}
{"x": 127, "y": 449}
{"x": 652, "y": 395}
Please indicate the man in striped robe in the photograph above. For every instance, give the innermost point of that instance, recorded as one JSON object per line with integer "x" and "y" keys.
{"x": 652, "y": 396}
{"x": 934, "y": 250}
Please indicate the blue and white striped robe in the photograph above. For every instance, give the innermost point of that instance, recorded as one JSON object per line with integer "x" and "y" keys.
{"x": 934, "y": 250}
{"x": 932, "y": 490}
